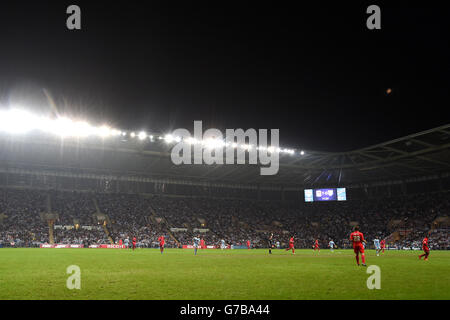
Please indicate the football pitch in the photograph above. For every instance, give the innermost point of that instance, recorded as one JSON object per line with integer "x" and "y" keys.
{"x": 220, "y": 275}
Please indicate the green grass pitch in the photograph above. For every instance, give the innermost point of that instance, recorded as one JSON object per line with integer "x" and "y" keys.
{"x": 220, "y": 275}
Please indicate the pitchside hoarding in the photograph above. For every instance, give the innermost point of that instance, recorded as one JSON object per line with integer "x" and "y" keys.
{"x": 76, "y": 246}
{"x": 61, "y": 246}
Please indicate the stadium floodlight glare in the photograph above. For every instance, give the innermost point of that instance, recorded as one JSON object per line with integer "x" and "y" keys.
{"x": 289, "y": 151}
{"x": 104, "y": 132}
{"x": 212, "y": 143}
{"x": 82, "y": 129}
{"x": 191, "y": 140}
{"x": 18, "y": 121}
{"x": 169, "y": 138}
{"x": 115, "y": 132}
{"x": 60, "y": 127}
{"x": 65, "y": 127}
{"x": 142, "y": 135}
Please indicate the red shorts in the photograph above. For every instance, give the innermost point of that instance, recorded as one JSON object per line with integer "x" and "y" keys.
{"x": 161, "y": 245}
{"x": 426, "y": 249}
{"x": 358, "y": 248}
{"x": 291, "y": 246}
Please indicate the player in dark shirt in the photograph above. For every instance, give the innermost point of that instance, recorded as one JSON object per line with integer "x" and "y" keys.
{"x": 270, "y": 243}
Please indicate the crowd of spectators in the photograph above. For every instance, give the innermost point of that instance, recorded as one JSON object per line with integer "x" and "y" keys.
{"x": 132, "y": 216}
{"x": 20, "y": 222}
{"x": 80, "y": 236}
{"x": 237, "y": 221}
{"x": 179, "y": 219}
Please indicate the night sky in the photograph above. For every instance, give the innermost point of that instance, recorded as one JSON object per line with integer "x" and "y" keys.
{"x": 316, "y": 73}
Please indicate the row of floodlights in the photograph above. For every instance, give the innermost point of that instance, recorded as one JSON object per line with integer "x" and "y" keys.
{"x": 20, "y": 122}
{"x": 212, "y": 143}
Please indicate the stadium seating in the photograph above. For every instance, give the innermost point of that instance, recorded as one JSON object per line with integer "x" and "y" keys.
{"x": 92, "y": 218}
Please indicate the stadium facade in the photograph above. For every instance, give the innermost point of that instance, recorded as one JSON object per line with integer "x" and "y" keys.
{"x": 413, "y": 164}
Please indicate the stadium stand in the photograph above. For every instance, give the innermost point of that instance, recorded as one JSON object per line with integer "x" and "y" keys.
{"x": 234, "y": 220}
{"x": 91, "y": 192}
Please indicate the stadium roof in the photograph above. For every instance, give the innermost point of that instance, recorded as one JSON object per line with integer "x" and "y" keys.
{"x": 424, "y": 154}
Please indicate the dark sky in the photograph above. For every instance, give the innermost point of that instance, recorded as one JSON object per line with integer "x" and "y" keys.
{"x": 316, "y": 73}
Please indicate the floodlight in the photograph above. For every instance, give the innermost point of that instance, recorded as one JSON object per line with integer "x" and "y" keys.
{"x": 17, "y": 121}
{"x": 213, "y": 143}
{"x": 81, "y": 129}
{"x": 142, "y": 135}
{"x": 104, "y": 132}
{"x": 168, "y": 138}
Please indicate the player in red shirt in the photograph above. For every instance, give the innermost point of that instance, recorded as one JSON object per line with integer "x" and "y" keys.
{"x": 248, "y": 244}
{"x": 316, "y": 245}
{"x": 161, "y": 244}
{"x": 425, "y": 248}
{"x": 134, "y": 243}
{"x": 358, "y": 239}
{"x": 291, "y": 245}
{"x": 202, "y": 244}
{"x": 383, "y": 244}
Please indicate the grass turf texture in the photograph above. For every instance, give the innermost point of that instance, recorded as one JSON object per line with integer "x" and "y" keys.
{"x": 220, "y": 275}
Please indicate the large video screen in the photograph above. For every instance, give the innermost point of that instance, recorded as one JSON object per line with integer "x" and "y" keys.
{"x": 329, "y": 194}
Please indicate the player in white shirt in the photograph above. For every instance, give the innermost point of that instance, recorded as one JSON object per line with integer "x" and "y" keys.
{"x": 331, "y": 244}
{"x": 376, "y": 243}
{"x": 196, "y": 244}
{"x": 222, "y": 244}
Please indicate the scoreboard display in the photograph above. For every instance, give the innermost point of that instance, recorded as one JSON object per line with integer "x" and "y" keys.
{"x": 329, "y": 194}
